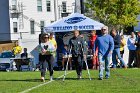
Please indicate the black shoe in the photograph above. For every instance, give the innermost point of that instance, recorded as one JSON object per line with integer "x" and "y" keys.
{"x": 79, "y": 77}
{"x": 100, "y": 78}
{"x": 106, "y": 77}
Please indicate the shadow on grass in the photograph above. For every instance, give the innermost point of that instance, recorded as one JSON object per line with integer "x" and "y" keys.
{"x": 56, "y": 79}
{"x": 26, "y": 80}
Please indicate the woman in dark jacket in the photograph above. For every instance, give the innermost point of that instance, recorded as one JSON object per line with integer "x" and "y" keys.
{"x": 46, "y": 50}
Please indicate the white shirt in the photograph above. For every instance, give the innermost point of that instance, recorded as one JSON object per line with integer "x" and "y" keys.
{"x": 49, "y": 47}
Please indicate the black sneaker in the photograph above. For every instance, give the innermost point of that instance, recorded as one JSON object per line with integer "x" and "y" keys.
{"x": 106, "y": 77}
{"x": 100, "y": 78}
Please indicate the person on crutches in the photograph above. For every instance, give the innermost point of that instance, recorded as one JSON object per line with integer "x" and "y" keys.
{"x": 78, "y": 51}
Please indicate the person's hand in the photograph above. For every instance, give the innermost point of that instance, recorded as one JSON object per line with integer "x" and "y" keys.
{"x": 85, "y": 56}
{"x": 121, "y": 41}
{"x": 44, "y": 51}
{"x": 94, "y": 56}
{"x": 110, "y": 52}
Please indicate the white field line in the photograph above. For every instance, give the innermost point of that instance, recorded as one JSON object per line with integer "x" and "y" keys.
{"x": 25, "y": 91}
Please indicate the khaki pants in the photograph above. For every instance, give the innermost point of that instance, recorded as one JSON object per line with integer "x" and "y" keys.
{"x": 138, "y": 58}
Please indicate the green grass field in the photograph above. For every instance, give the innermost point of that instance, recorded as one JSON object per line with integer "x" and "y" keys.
{"x": 121, "y": 81}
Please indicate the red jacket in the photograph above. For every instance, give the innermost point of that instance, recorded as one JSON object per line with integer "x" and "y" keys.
{"x": 92, "y": 41}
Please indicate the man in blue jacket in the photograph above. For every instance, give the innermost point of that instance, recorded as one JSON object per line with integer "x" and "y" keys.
{"x": 105, "y": 46}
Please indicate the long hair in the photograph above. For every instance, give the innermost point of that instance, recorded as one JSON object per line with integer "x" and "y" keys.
{"x": 42, "y": 37}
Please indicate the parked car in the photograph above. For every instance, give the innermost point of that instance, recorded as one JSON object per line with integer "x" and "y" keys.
{"x": 6, "y": 60}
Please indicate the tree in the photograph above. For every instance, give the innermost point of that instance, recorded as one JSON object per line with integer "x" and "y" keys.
{"x": 115, "y": 13}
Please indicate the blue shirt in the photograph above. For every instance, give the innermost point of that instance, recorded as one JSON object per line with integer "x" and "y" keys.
{"x": 65, "y": 52}
{"x": 131, "y": 43}
{"x": 105, "y": 44}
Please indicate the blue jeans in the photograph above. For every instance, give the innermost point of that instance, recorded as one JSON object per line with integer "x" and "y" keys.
{"x": 116, "y": 52}
{"x": 104, "y": 62}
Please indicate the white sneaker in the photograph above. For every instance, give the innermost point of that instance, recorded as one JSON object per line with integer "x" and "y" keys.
{"x": 51, "y": 78}
{"x": 63, "y": 68}
{"x": 79, "y": 76}
{"x": 42, "y": 79}
{"x": 70, "y": 68}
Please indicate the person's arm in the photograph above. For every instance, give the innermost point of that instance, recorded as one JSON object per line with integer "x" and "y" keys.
{"x": 55, "y": 44}
{"x": 41, "y": 49}
{"x": 128, "y": 42}
{"x": 84, "y": 46}
{"x": 111, "y": 45}
{"x": 95, "y": 47}
{"x": 123, "y": 42}
{"x": 70, "y": 46}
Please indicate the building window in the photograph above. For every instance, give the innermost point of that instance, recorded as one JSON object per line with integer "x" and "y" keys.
{"x": 14, "y": 3}
{"x": 42, "y": 23}
{"x": 64, "y": 9}
{"x": 32, "y": 27}
{"x": 48, "y": 5}
{"x": 52, "y": 21}
{"x": 14, "y": 15}
{"x": 15, "y": 27}
{"x": 39, "y": 5}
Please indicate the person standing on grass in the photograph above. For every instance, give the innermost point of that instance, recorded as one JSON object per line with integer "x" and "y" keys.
{"x": 132, "y": 50}
{"x": 46, "y": 49}
{"x": 65, "y": 56}
{"x": 78, "y": 51}
{"x": 138, "y": 50}
{"x": 92, "y": 40}
{"x": 53, "y": 41}
{"x": 105, "y": 45}
{"x": 116, "y": 52}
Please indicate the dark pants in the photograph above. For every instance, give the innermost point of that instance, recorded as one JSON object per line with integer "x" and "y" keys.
{"x": 43, "y": 62}
{"x": 78, "y": 61}
{"x": 132, "y": 57}
{"x": 138, "y": 58}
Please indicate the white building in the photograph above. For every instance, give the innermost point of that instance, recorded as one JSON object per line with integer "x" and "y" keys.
{"x": 28, "y": 17}
{"x": 24, "y": 20}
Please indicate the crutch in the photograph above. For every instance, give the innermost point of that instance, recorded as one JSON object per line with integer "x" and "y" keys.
{"x": 85, "y": 60}
{"x": 87, "y": 68}
{"x": 67, "y": 64}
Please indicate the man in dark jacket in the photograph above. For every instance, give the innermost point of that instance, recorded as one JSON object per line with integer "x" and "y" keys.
{"x": 78, "y": 51}
{"x": 116, "y": 51}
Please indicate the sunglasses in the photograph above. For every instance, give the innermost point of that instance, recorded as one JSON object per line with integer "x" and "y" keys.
{"x": 103, "y": 29}
{"x": 46, "y": 37}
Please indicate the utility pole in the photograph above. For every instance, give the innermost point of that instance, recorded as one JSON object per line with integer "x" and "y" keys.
{"x": 82, "y": 6}
{"x": 55, "y": 11}
{"x": 79, "y": 6}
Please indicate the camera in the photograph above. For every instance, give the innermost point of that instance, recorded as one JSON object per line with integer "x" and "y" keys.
{"x": 45, "y": 47}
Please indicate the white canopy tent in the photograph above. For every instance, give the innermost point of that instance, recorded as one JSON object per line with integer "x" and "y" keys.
{"x": 75, "y": 21}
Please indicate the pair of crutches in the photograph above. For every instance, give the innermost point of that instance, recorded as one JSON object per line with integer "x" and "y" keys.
{"x": 85, "y": 60}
